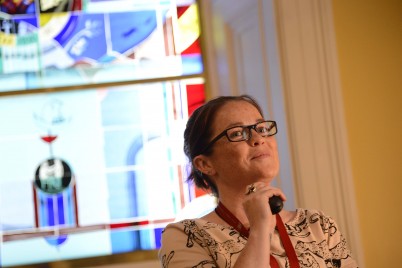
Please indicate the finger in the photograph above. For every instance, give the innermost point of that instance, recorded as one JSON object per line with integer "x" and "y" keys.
{"x": 265, "y": 189}
{"x": 251, "y": 189}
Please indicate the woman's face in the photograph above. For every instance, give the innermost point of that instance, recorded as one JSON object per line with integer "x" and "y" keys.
{"x": 247, "y": 161}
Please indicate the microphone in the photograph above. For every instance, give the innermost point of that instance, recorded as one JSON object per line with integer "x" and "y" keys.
{"x": 276, "y": 204}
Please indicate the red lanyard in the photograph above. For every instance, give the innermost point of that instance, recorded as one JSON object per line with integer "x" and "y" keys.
{"x": 231, "y": 219}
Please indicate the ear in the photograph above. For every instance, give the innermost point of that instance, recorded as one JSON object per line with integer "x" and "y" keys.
{"x": 203, "y": 164}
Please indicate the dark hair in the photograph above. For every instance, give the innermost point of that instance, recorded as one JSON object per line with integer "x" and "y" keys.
{"x": 198, "y": 133}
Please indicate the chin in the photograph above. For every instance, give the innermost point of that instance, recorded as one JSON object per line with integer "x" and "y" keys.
{"x": 267, "y": 180}
{"x": 267, "y": 176}
{"x": 270, "y": 175}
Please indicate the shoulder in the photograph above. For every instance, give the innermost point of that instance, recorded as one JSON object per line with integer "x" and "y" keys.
{"x": 182, "y": 244}
{"x": 199, "y": 231}
{"x": 197, "y": 242}
{"x": 309, "y": 215}
{"x": 184, "y": 226}
{"x": 182, "y": 234}
{"x": 190, "y": 227}
{"x": 312, "y": 221}
{"x": 189, "y": 224}
{"x": 199, "y": 226}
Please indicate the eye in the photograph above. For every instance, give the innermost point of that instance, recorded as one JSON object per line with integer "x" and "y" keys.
{"x": 236, "y": 133}
{"x": 262, "y": 129}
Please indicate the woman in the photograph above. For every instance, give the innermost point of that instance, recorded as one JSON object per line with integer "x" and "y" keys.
{"x": 234, "y": 155}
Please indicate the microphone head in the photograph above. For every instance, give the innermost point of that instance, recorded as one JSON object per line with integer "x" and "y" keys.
{"x": 276, "y": 204}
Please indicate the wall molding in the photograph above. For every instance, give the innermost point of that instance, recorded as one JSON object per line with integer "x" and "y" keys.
{"x": 315, "y": 113}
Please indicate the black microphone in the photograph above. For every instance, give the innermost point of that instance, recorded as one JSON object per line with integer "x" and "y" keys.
{"x": 276, "y": 204}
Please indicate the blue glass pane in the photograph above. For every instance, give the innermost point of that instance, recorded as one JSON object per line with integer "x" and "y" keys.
{"x": 125, "y": 241}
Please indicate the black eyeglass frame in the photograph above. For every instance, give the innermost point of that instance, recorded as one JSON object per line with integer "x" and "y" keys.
{"x": 225, "y": 133}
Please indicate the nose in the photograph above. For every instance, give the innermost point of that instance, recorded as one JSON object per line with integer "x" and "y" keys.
{"x": 255, "y": 138}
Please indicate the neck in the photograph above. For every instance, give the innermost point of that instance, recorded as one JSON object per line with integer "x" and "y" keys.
{"x": 232, "y": 198}
{"x": 235, "y": 206}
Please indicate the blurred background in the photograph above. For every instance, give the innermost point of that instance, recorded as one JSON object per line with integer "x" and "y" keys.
{"x": 94, "y": 96}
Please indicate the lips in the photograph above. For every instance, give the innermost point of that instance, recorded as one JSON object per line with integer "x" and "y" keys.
{"x": 260, "y": 156}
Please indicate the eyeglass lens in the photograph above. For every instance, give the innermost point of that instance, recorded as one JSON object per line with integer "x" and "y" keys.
{"x": 242, "y": 133}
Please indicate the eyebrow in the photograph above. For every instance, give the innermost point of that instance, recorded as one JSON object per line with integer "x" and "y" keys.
{"x": 238, "y": 124}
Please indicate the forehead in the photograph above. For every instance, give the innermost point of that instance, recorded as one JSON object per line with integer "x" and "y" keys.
{"x": 235, "y": 112}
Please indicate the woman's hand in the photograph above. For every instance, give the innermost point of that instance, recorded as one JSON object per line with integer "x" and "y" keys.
{"x": 257, "y": 251}
{"x": 257, "y": 208}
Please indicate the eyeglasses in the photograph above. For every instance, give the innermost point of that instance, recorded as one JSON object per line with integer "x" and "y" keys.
{"x": 243, "y": 133}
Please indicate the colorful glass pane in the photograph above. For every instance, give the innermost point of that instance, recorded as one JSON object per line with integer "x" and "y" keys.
{"x": 72, "y": 42}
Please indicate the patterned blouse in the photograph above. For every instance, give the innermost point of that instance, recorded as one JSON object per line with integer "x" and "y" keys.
{"x": 199, "y": 243}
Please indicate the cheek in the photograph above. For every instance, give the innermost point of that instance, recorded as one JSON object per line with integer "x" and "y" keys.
{"x": 276, "y": 153}
{"x": 274, "y": 147}
{"x": 227, "y": 155}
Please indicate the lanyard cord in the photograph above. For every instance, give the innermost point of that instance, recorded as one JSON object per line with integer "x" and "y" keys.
{"x": 231, "y": 219}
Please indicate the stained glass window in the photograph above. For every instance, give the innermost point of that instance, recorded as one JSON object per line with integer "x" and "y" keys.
{"x": 94, "y": 97}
